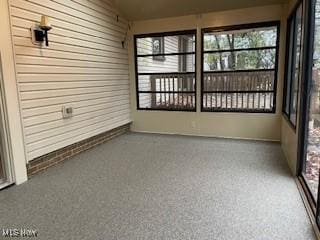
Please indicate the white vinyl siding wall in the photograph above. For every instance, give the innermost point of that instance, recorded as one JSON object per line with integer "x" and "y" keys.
{"x": 85, "y": 66}
{"x": 191, "y": 62}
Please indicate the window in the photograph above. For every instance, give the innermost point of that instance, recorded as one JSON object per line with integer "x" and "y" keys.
{"x": 165, "y": 71}
{"x": 293, "y": 62}
{"x": 158, "y": 48}
{"x": 239, "y": 68}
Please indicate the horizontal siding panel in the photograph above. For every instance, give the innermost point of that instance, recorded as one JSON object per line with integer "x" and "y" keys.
{"x": 104, "y": 7}
{"x": 25, "y": 42}
{"x": 60, "y": 13}
{"x": 62, "y": 24}
{"x": 82, "y": 41}
{"x": 100, "y": 15}
{"x": 84, "y": 67}
{"x": 67, "y": 63}
{"x": 31, "y": 127}
{"x": 39, "y": 111}
{"x": 25, "y": 51}
{"x": 65, "y": 124}
{"x": 31, "y": 95}
{"x": 21, "y": 29}
{"x": 49, "y": 134}
{"x": 105, "y": 126}
{"x": 79, "y": 114}
{"x": 53, "y": 77}
{"x": 68, "y": 99}
{"x": 56, "y": 139}
{"x": 24, "y": 68}
{"x": 24, "y": 87}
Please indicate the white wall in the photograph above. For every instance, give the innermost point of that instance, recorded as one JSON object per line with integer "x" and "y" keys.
{"x": 233, "y": 125}
{"x": 85, "y": 66}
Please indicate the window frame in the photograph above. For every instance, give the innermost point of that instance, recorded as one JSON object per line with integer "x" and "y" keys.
{"x": 288, "y": 85}
{"x": 276, "y": 24}
{"x": 136, "y": 55}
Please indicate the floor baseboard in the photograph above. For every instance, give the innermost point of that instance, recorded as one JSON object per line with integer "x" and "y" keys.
{"x": 207, "y": 136}
{"x": 308, "y": 207}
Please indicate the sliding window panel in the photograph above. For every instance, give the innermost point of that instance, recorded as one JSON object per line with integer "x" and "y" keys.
{"x": 171, "y": 101}
{"x": 239, "y": 68}
{"x": 167, "y": 82}
{"x": 165, "y": 71}
{"x": 289, "y": 67}
{"x": 293, "y": 65}
{"x": 240, "y": 60}
{"x": 171, "y": 64}
{"x": 311, "y": 125}
{"x": 263, "y": 37}
{"x": 154, "y": 44}
{"x": 296, "y": 64}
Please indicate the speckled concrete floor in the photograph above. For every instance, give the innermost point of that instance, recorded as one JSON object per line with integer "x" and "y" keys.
{"x": 141, "y": 186}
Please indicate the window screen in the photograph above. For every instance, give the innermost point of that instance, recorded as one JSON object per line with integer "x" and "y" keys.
{"x": 293, "y": 65}
{"x": 165, "y": 71}
{"x": 239, "y": 68}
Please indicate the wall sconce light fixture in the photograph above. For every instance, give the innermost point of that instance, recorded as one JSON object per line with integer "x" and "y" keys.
{"x": 41, "y": 33}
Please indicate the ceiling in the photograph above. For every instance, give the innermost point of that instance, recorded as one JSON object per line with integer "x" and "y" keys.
{"x": 135, "y": 10}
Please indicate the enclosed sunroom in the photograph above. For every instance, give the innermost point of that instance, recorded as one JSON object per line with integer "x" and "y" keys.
{"x": 136, "y": 119}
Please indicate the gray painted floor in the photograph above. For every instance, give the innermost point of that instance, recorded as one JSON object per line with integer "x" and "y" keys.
{"x": 141, "y": 186}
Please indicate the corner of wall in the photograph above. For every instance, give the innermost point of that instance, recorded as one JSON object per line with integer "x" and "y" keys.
{"x": 289, "y": 145}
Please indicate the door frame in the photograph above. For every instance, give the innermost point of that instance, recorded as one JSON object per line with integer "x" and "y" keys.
{"x": 6, "y": 157}
{"x": 305, "y": 89}
{"x": 11, "y": 99}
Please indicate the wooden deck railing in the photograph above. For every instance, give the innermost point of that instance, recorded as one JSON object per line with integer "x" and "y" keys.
{"x": 172, "y": 91}
{"x": 251, "y": 91}
{"x": 239, "y": 91}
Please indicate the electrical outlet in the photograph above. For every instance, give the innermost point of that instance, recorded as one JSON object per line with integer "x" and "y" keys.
{"x": 67, "y": 112}
{"x": 33, "y": 35}
{"x": 193, "y": 124}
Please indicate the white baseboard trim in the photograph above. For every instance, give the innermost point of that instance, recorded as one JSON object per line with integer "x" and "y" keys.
{"x": 207, "y": 136}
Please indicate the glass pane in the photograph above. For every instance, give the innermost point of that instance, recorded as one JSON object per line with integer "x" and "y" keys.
{"x": 238, "y": 101}
{"x": 240, "y": 39}
{"x": 166, "y": 44}
{"x": 239, "y": 81}
{"x": 289, "y": 66}
{"x": 296, "y": 64}
{"x": 240, "y": 60}
{"x": 167, "y": 82}
{"x": 171, "y": 101}
{"x": 312, "y": 164}
{"x": 175, "y": 63}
